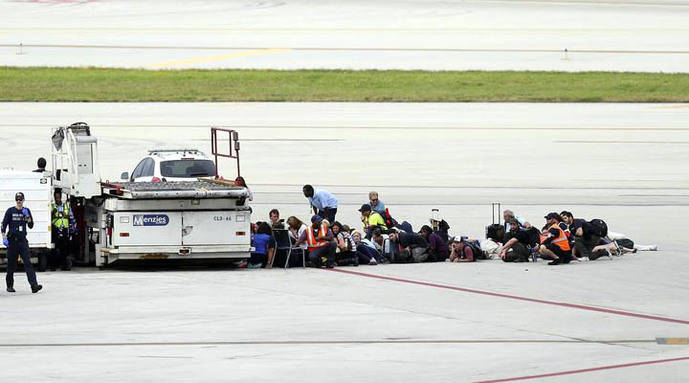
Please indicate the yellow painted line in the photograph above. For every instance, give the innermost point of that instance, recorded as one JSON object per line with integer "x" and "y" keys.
{"x": 672, "y": 341}
{"x": 205, "y": 59}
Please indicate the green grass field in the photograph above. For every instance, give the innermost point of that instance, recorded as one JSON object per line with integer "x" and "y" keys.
{"x": 133, "y": 85}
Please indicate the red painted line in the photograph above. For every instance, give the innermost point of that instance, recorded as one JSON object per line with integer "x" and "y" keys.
{"x": 585, "y": 370}
{"x": 516, "y": 297}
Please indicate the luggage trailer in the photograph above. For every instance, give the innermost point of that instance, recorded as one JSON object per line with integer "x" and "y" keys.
{"x": 204, "y": 219}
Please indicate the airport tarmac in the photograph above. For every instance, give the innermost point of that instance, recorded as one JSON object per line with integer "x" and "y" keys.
{"x": 644, "y": 35}
{"x": 488, "y": 321}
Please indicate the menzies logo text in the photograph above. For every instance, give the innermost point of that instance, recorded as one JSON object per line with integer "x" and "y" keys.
{"x": 151, "y": 219}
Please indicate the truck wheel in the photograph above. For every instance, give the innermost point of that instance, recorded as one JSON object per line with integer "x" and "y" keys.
{"x": 42, "y": 262}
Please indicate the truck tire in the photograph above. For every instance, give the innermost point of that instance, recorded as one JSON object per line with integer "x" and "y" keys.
{"x": 42, "y": 262}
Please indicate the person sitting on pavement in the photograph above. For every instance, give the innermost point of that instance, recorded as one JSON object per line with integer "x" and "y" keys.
{"x": 323, "y": 203}
{"x": 371, "y": 220}
{"x": 413, "y": 246}
{"x": 320, "y": 243}
{"x": 584, "y": 239}
{"x": 461, "y": 251}
{"x": 438, "y": 250}
{"x": 346, "y": 247}
{"x": 376, "y": 205}
{"x": 275, "y": 221}
{"x": 511, "y": 219}
{"x": 296, "y": 228}
{"x": 366, "y": 248}
{"x": 554, "y": 245}
{"x": 264, "y": 247}
{"x": 515, "y": 247}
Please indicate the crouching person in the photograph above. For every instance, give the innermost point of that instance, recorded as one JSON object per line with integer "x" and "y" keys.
{"x": 345, "y": 253}
{"x": 366, "y": 250}
{"x": 515, "y": 246}
{"x": 438, "y": 250}
{"x": 319, "y": 242}
{"x": 555, "y": 245}
{"x": 264, "y": 247}
{"x": 414, "y": 247}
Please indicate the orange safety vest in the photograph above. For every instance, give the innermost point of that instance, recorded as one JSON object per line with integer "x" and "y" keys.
{"x": 314, "y": 243}
{"x": 561, "y": 240}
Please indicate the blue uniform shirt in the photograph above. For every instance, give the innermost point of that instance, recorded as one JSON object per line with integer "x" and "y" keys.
{"x": 322, "y": 199}
{"x": 16, "y": 220}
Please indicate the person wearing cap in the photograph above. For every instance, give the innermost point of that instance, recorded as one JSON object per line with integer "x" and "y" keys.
{"x": 62, "y": 222}
{"x": 320, "y": 243}
{"x": 371, "y": 220}
{"x": 322, "y": 202}
{"x": 555, "y": 245}
{"x": 15, "y": 221}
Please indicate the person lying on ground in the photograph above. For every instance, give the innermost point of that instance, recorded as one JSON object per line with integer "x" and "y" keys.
{"x": 376, "y": 205}
{"x": 320, "y": 243}
{"x": 511, "y": 219}
{"x": 516, "y": 245}
{"x": 322, "y": 202}
{"x": 371, "y": 220}
{"x": 555, "y": 245}
{"x": 461, "y": 251}
{"x": 438, "y": 250}
{"x": 413, "y": 246}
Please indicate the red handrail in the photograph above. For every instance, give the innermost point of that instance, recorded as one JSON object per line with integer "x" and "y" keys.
{"x": 233, "y": 143}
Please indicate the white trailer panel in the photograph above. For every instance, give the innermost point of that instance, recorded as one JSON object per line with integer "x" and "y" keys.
{"x": 38, "y": 196}
{"x": 215, "y": 227}
{"x": 151, "y": 228}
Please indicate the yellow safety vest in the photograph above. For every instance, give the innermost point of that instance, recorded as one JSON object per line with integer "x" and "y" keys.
{"x": 60, "y": 219}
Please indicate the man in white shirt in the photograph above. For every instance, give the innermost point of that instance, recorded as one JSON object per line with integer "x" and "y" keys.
{"x": 323, "y": 203}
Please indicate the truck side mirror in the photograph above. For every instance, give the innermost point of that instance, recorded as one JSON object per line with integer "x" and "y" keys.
{"x": 124, "y": 176}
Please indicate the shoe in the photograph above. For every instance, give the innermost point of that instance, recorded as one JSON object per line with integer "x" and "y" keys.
{"x": 330, "y": 265}
{"x": 554, "y": 262}
{"x": 11, "y": 290}
{"x": 596, "y": 255}
{"x": 36, "y": 288}
{"x": 253, "y": 266}
{"x": 373, "y": 262}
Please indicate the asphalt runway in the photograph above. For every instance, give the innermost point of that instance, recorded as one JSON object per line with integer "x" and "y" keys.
{"x": 621, "y": 319}
{"x": 435, "y": 35}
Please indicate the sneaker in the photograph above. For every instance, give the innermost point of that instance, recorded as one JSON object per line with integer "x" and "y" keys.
{"x": 253, "y": 266}
{"x": 373, "y": 262}
{"x": 11, "y": 290}
{"x": 554, "y": 262}
{"x": 596, "y": 255}
{"x": 36, "y": 288}
{"x": 241, "y": 264}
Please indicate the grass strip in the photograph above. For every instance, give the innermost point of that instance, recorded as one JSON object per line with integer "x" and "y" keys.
{"x": 193, "y": 85}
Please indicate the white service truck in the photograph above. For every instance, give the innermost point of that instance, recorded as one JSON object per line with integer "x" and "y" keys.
{"x": 36, "y": 187}
{"x": 204, "y": 219}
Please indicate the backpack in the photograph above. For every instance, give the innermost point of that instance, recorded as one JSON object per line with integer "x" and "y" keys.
{"x": 598, "y": 227}
{"x": 387, "y": 218}
{"x": 496, "y": 232}
{"x": 534, "y": 236}
{"x": 476, "y": 249}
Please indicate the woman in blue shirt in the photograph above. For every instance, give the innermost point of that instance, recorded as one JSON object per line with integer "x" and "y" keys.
{"x": 263, "y": 243}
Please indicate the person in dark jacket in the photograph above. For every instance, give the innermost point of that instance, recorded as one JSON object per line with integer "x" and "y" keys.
{"x": 414, "y": 247}
{"x": 438, "y": 251}
{"x": 15, "y": 221}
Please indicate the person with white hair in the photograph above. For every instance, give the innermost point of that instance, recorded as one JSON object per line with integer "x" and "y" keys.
{"x": 376, "y": 205}
{"x": 511, "y": 219}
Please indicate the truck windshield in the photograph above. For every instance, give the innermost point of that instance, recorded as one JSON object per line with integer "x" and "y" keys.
{"x": 187, "y": 168}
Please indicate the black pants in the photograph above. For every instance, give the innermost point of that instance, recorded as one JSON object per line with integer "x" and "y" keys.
{"x": 59, "y": 254}
{"x": 330, "y": 216}
{"x": 325, "y": 251}
{"x": 519, "y": 253}
{"x": 19, "y": 247}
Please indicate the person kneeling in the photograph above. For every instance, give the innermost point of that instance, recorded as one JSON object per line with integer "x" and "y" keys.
{"x": 515, "y": 247}
{"x": 555, "y": 245}
{"x": 320, "y": 243}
